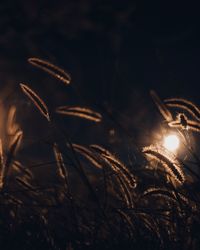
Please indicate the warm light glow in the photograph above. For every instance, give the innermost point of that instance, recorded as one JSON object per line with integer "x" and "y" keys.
{"x": 171, "y": 142}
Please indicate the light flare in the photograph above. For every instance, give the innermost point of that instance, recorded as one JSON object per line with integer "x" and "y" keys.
{"x": 171, "y": 142}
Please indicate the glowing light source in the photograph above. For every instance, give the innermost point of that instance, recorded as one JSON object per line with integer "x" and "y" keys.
{"x": 171, "y": 142}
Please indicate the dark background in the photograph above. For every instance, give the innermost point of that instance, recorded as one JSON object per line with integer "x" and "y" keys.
{"x": 116, "y": 51}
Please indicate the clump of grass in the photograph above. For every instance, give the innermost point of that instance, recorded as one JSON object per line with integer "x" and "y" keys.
{"x": 86, "y": 197}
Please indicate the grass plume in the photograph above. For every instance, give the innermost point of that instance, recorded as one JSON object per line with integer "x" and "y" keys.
{"x": 161, "y": 106}
{"x": 184, "y": 104}
{"x": 81, "y": 112}
{"x": 51, "y": 69}
{"x": 39, "y": 103}
{"x": 168, "y": 160}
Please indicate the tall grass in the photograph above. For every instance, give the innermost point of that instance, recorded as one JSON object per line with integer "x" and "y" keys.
{"x": 85, "y": 197}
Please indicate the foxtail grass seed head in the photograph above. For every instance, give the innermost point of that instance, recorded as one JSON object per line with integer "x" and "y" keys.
{"x": 81, "y": 112}
{"x": 88, "y": 154}
{"x": 193, "y": 126}
{"x": 119, "y": 166}
{"x": 62, "y": 170}
{"x": 100, "y": 149}
{"x": 161, "y": 106}
{"x": 16, "y": 142}
{"x": 163, "y": 194}
{"x": 51, "y": 69}
{"x": 168, "y": 161}
{"x": 184, "y": 104}
{"x": 39, "y": 103}
{"x": 12, "y": 127}
{"x": 10, "y": 158}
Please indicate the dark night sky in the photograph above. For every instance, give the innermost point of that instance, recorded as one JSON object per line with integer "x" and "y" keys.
{"x": 116, "y": 51}
{"x": 107, "y": 43}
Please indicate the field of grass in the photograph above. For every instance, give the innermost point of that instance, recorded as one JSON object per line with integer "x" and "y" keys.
{"x": 59, "y": 194}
